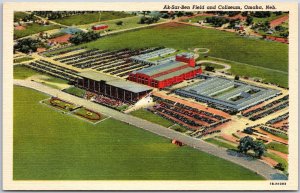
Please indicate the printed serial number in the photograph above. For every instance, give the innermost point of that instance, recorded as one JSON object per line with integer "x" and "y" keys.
{"x": 278, "y": 183}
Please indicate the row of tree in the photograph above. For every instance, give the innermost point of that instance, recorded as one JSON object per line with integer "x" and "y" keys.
{"x": 216, "y": 21}
{"x": 60, "y": 14}
{"x": 84, "y": 37}
{"x": 149, "y": 20}
{"x": 27, "y": 45}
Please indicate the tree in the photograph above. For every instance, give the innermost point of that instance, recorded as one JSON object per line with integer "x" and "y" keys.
{"x": 27, "y": 45}
{"x": 244, "y": 13}
{"x": 119, "y": 23}
{"x": 83, "y": 37}
{"x": 245, "y": 144}
{"x": 149, "y": 20}
{"x": 285, "y": 34}
{"x": 279, "y": 166}
{"x": 248, "y": 130}
{"x": 236, "y": 77}
{"x": 259, "y": 148}
{"x": 249, "y": 20}
{"x": 209, "y": 68}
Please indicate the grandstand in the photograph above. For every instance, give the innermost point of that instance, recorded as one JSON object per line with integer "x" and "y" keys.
{"x": 228, "y": 95}
{"x": 111, "y": 86}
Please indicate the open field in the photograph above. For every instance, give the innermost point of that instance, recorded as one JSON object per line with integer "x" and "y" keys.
{"x": 56, "y": 146}
{"x": 267, "y": 74}
{"x": 23, "y": 72}
{"x": 225, "y": 45}
{"x": 149, "y": 116}
{"x": 19, "y": 15}
{"x": 33, "y": 29}
{"x": 91, "y": 18}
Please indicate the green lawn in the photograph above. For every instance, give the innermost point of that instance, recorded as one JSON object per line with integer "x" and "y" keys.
{"x": 33, "y": 29}
{"x": 268, "y": 75}
{"x": 278, "y": 147}
{"x": 91, "y": 18}
{"x": 225, "y": 45}
{"x": 220, "y": 143}
{"x": 23, "y": 72}
{"x": 149, "y": 116}
{"x": 277, "y": 159}
{"x": 49, "y": 145}
{"x": 23, "y": 59}
{"x": 75, "y": 91}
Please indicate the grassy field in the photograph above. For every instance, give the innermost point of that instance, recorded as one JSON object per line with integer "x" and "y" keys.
{"x": 91, "y": 18}
{"x": 33, "y": 29}
{"x": 220, "y": 143}
{"x": 19, "y": 15}
{"x": 196, "y": 19}
{"x": 267, "y": 75}
{"x": 23, "y": 72}
{"x": 277, "y": 159}
{"x": 75, "y": 91}
{"x": 128, "y": 22}
{"x": 278, "y": 147}
{"x": 273, "y": 16}
{"x": 23, "y": 59}
{"x": 225, "y": 45}
{"x": 49, "y": 145}
{"x": 147, "y": 115}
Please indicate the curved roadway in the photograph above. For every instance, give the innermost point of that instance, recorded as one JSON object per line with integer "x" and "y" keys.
{"x": 255, "y": 165}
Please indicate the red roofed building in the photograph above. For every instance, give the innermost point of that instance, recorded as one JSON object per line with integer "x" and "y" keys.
{"x": 61, "y": 39}
{"x": 100, "y": 27}
{"x": 167, "y": 74}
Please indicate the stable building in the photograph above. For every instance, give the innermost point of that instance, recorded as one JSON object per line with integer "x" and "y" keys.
{"x": 111, "y": 86}
{"x": 169, "y": 73}
{"x": 99, "y": 27}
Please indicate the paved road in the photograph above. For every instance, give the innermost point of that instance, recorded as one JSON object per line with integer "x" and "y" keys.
{"x": 254, "y": 165}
